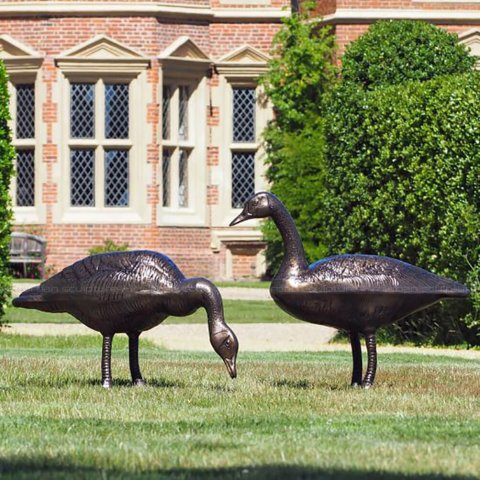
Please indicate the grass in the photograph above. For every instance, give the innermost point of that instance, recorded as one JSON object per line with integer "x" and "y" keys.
{"x": 236, "y": 311}
{"x": 34, "y": 281}
{"x": 287, "y": 416}
{"x": 244, "y": 284}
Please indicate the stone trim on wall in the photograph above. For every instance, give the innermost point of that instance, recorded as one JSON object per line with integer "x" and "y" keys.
{"x": 369, "y": 15}
{"x": 189, "y": 12}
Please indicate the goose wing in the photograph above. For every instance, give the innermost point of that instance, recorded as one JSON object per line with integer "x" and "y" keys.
{"x": 380, "y": 274}
{"x": 109, "y": 277}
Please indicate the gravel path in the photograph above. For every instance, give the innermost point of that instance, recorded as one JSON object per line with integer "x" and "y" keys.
{"x": 253, "y": 337}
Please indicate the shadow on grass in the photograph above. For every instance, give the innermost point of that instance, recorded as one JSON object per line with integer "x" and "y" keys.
{"x": 297, "y": 384}
{"x": 49, "y": 469}
{"x": 59, "y": 382}
{"x": 123, "y": 382}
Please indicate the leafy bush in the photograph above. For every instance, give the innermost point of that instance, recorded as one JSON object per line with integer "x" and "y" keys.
{"x": 296, "y": 171}
{"x": 402, "y": 181}
{"x": 301, "y": 70}
{"x": 108, "y": 246}
{"x": 394, "y": 51}
{"x": 7, "y": 154}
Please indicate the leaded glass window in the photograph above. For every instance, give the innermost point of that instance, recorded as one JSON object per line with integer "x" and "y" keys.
{"x": 183, "y": 179}
{"x": 25, "y": 170}
{"x": 243, "y": 177}
{"x": 166, "y": 160}
{"x": 244, "y": 100}
{"x": 24, "y": 131}
{"x": 25, "y": 114}
{"x": 82, "y": 174}
{"x": 82, "y": 110}
{"x": 184, "y": 95}
{"x": 116, "y": 110}
{"x": 177, "y": 145}
{"x": 166, "y": 99}
{"x": 100, "y": 163}
{"x": 116, "y": 178}
{"x": 243, "y": 157}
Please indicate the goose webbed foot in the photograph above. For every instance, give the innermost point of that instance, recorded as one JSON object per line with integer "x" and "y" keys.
{"x": 371, "y": 343}
{"x": 106, "y": 361}
{"x": 137, "y": 378}
{"x": 107, "y": 383}
{"x": 357, "y": 360}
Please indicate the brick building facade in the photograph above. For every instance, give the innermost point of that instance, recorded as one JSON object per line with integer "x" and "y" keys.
{"x": 140, "y": 121}
{"x": 351, "y": 18}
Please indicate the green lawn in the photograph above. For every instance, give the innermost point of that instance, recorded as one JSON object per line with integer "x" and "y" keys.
{"x": 244, "y": 284}
{"x": 287, "y": 416}
{"x": 236, "y": 311}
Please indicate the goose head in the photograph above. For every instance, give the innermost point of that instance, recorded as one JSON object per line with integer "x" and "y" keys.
{"x": 222, "y": 338}
{"x": 225, "y": 343}
{"x": 259, "y": 205}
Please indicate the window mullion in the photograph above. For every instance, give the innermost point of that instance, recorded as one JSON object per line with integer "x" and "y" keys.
{"x": 100, "y": 150}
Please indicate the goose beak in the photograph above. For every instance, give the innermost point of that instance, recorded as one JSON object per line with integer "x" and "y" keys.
{"x": 240, "y": 218}
{"x": 231, "y": 366}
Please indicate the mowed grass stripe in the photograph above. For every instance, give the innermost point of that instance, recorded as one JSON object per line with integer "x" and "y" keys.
{"x": 287, "y": 415}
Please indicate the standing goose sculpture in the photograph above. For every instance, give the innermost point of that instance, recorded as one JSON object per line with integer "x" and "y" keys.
{"x": 355, "y": 293}
{"x": 130, "y": 292}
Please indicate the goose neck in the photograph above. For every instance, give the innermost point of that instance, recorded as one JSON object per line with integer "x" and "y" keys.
{"x": 294, "y": 259}
{"x": 209, "y": 298}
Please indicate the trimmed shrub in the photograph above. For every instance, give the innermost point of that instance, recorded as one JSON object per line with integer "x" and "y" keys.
{"x": 7, "y": 154}
{"x": 395, "y": 51}
{"x": 403, "y": 170}
{"x": 107, "y": 247}
{"x": 301, "y": 70}
{"x": 296, "y": 170}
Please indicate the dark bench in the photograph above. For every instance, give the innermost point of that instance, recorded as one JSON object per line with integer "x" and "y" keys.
{"x": 28, "y": 249}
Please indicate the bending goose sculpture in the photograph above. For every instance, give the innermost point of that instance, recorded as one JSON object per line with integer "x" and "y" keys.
{"x": 356, "y": 293}
{"x": 130, "y": 292}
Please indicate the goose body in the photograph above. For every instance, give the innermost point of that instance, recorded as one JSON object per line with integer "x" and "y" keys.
{"x": 131, "y": 292}
{"x": 360, "y": 292}
{"x": 356, "y": 293}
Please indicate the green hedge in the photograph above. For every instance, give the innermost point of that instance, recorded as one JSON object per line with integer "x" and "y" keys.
{"x": 7, "y": 155}
{"x": 395, "y": 51}
{"x": 300, "y": 72}
{"x": 403, "y": 181}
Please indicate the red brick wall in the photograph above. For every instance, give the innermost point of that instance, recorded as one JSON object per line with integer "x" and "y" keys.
{"x": 189, "y": 247}
{"x": 227, "y": 37}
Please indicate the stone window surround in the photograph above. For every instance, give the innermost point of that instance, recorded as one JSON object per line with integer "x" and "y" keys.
{"x": 189, "y": 69}
{"x": 23, "y": 67}
{"x": 240, "y": 68}
{"x": 131, "y": 70}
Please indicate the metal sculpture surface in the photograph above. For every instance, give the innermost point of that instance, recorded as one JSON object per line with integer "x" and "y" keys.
{"x": 130, "y": 292}
{"x": 356, "y": 293}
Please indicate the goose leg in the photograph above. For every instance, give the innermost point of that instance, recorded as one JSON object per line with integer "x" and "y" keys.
{"x": 357, "y": 359}
{"x": 106, "y": 361}
{"x": 371, "y": 343}
{"x": 133, "y": 356}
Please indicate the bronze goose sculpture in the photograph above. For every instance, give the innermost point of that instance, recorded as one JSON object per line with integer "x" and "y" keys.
{"x": 130, "y": 292}
{"x": 356, "y": 293}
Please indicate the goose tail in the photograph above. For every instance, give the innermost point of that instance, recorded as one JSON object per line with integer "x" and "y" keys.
{"x": 457, "y": 290}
